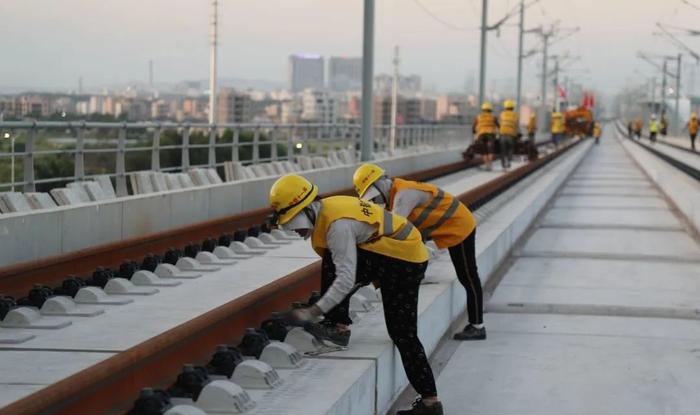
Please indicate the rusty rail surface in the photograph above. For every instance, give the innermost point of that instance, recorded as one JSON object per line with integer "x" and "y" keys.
{"x": 17, "y": 280}
{"x": 111, "y": 385}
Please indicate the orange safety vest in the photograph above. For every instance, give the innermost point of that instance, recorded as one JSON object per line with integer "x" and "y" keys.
{"x": 395, "y": 236}
{"x": 693, "y": 126}
{"x": 485, "y": 124}
{"x": 596, "y": 130}
{"x": 532, "y": 125}
{"x": 443, "y": 218}
{"x": 557, "y": 125}
{"x": 509, "y": 123}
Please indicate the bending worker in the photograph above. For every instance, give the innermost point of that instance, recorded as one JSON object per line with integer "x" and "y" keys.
{"x": 509, "y": 131}
{"x": 360, "y": 242}
{"x": 439, "y": 216}
{"x": 484, "y": 128}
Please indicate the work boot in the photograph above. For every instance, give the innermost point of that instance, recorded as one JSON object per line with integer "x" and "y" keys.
{"x": 329, "y": 331}
{"x": 419, "y": 408}
{"x": 471, "y": 333}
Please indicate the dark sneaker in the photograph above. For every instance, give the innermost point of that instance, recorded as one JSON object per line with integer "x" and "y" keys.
{"x": 471, "y": 333}
{"x": 328, "y": 332}
{"x": 419, "y": 408}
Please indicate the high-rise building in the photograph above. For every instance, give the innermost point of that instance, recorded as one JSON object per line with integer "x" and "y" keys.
{"x": 345, "y": 74}
{"x": 234, "y": 106}
{"x": 319, "y": 106}
{"x": 306, "y": 71}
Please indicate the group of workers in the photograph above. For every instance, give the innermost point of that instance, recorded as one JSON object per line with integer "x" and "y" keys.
{"x": 504, "y": 131}
{"x": 379, "y": 236}
{"x": 656, "y": 126}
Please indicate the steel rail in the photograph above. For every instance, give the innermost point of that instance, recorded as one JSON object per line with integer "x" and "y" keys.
{"x": 111, "y": 385}
{"x": 685, "y": 168}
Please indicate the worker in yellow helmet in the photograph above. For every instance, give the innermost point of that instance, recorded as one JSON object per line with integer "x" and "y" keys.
{"x": 692, "y": 128}
{"x": 485, "y": 128}
{"x": 597, "y": 131}
{"x": 557, "y": 128}
{"x": 509, "y": 130}
{"x": 532, "y": 127}
{"x": 653, "y": 128}
{"x": 440, "y": 217}
{"x": 361, "y": 242}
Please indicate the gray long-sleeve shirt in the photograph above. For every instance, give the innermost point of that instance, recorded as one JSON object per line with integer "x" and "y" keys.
{"x": 408, "y": 199}
{"x": 342, "y": 238}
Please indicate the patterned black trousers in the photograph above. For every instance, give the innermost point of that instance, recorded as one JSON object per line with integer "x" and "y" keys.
{"x": 400, "y": 281}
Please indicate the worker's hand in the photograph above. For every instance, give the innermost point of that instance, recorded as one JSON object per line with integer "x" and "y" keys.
{"x": 303, "y": 315}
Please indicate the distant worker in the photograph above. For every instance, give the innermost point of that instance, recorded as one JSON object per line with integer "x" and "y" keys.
{"x": 557, "y": 127}
{"x": 596, "y": 132}
{"x": 532, "y": 127}
{"x": 638, "y": 127}
{"x": 484, "y": 128}
{"x": 692, "y": 127}
{"x": 509, "y": 131}
{"x": 663, "y": 125}
{"x": 630, "y": 129}
{"x": 439, "y": 216}
{"x": 360, "y": 242}
{"x": 653, "y": 128}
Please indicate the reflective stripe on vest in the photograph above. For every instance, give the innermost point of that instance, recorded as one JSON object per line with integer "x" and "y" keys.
{"x": 395, "y": 237}
{"x": 448, "y": 214}
{"x": 485, "y": 123}
{"x": 441, "y": 218}
{"x": 509, "y": 123}
{"x": 430, "y": 208}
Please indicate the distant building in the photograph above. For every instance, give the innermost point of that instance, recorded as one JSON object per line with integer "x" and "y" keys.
{"x": 319, "y": 106}
{"x": 306, "y": 71}
{"x": 408, "y": 85}
{"x": 345, "y": 74}
{"x": 234, "y": 106}
{"x": 453, "y": 109}
{"x": 290, "y": 111}
{"x": 33, "y": 105}
{"x": 161, "y": 109}
{"x": 409, "y": 110}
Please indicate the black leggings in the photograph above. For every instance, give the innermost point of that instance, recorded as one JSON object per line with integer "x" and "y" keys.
{"x": 400, "y": 282}
{"x": 463, "y": 258}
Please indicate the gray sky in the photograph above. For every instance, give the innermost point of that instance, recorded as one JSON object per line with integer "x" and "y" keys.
{"x": 50, "y": 43}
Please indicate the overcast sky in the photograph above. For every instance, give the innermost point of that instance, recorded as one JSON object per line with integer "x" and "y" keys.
{"x": 50, "y": 43}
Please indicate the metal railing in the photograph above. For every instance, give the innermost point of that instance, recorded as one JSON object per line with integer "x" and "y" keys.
{"x": 43, "y": 155}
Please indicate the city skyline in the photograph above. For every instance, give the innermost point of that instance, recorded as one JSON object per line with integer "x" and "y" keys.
{"x": 54, "y": 49}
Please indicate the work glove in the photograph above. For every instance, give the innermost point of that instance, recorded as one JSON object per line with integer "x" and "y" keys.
{"x": 300, "y": 316}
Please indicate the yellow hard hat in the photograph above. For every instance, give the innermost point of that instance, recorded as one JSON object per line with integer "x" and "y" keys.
{"x": 289, "y": 195}
{"x": 693, "y": 115}
{"x": 508, "y": 104}
{"x": 533, "y": 115}
{"x": 556, "y": 114}
{"x": 364, "y": 176}
{"x": 486, "y": 106}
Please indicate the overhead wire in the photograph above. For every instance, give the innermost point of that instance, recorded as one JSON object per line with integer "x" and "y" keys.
{"x": 442, "y": 21}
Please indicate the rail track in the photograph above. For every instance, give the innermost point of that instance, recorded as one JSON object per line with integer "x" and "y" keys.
{"x": 680, "y": 165}
{"x": 111, "y": 385}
